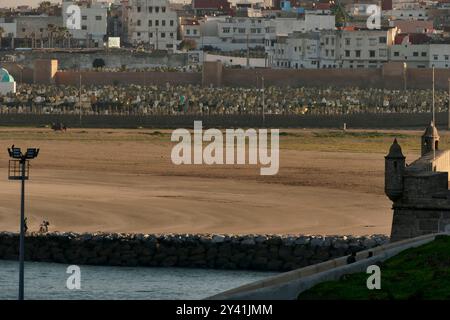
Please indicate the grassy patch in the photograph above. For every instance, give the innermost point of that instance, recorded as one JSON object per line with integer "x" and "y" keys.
{"x": 417, "y": 273}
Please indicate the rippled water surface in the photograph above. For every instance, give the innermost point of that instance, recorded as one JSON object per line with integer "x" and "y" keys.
{"x": 48, "y": 281}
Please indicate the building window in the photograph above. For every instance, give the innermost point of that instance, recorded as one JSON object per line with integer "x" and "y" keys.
{"x": 150, "y": 23}
{"x": 138, "y": 9}
{"x": 163, "y": 9}
{"x": 396, "y": 54}
{"x": 226, "y": 30}
{"x": 156, "y": 9}
{"x": 150, "y": 34}
{"x": 424, "y": 54}
{"x": 372, "y": 42}
{"x": 163, "y": 22}
{"x": 359, "y": 42}
{"x": 156, "y": 22}
{"x": 171, "y": 23}
{"x": 358, "y": 53}
{"x": 383, "y": 40}
{"x": 83, "y": 27}
{"x": 98, "y": 18}
{"x": 383, "y": 52}
{"x": 372, "y": 53}
{"x": 163, "y": 34}
{"x": 415, "y": 54}
{"x": 150, "y": 9}
{"x": 347, "y": 53}
{"x": 84, "y": 18}
{"x": 435, "y": 57}
{"x": 138, "y": 34}
{"x": 188, "y": 31}
{"x": 446, "y": 57}
{"x": 138, "y": 23}
{"x": 195, "y": 31}
{"x": 171, "y": 34}
{"x": 347, "y": 41}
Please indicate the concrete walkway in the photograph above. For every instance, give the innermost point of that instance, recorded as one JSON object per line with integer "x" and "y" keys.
{"x": 289, "y": 285}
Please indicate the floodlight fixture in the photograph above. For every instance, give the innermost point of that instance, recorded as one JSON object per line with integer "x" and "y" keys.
{"x": 15, "y": 153}
{"x": 32, "y": 153}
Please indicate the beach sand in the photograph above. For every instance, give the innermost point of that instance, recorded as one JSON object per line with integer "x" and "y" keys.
{"x": 89, "y": 180}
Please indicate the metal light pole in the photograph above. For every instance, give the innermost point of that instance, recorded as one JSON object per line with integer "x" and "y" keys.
{"x": 448, "y": 113}
{"x": 19, "y": 170}
{"x": 22, "y": 233}
{"x": 263, "y": 101}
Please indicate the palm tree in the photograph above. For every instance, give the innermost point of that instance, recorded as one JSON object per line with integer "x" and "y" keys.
{"x": 51, "y": 29}
{"x": 2, "y": 31}
{"x": 44, "y": 6}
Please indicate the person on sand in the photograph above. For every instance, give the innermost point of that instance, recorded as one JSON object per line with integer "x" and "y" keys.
{"x": 43, "y": 228}
{"x": 25, "y": 225}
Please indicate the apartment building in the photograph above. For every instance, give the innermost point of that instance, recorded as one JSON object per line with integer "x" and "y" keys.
{"x": 439, "y": 55}
{"x": 333, "y": 49}
{"x": 283, "y": 26}
{"x": 93, "y": 24}
{"x": 365, "y": 48}
{"x": 153, "y": 23}
{"x": 38, "y": 26}
{"x": 298, "y": 50}
{"x": 415, "y": 55}
{"x": 241, "y": 32}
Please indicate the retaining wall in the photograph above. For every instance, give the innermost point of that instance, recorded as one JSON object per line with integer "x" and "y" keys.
{"x": 249, "y": 252}
{"x": 353, "y": 121}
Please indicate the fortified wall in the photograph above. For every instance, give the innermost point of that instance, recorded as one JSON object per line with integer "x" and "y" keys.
{"x": 419, "y": 191}
{"x": 249, "y": 252}
{"x": 214, "y": 74}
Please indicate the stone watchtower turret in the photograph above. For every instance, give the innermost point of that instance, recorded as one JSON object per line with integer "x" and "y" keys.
{"x": 430, "y": 139}
{"x": 394, "y": 170}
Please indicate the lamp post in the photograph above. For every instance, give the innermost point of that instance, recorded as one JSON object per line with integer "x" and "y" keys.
{"x": 19, "y": 169}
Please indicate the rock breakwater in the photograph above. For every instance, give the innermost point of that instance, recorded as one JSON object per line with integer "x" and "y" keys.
{"x": 218, "y": 251}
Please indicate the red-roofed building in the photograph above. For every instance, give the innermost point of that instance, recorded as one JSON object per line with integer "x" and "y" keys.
{"x": 211, "y": 7}
{"x": 412, "y": 38}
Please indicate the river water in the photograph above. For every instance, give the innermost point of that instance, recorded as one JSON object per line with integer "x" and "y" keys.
{"x": 48, "y": 281}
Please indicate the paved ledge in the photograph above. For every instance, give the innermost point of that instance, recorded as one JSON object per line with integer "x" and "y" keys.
{"x": 289, "y": 285}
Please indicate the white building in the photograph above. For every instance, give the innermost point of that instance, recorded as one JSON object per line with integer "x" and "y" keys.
{"x": 439, "y": 55}
{"x": 298, "y": 50}
{"x": 9, "y": 28}
{"x": 283, "y": 26}
{"x": 415, "y": 55}
{"x": 406, "y": 14}
{"x": 333, "y": 49}
{"x": 93, "y": 24}
{"x": 152, "y": 22}
{"x": 365, "y": 48}
{"x": 239, "y": 32}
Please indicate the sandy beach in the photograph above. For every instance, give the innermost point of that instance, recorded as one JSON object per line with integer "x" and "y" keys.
{"x": 124, "y": 181}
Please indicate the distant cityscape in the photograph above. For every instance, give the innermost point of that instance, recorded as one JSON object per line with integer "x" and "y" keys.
{"x": 265, "y": 33}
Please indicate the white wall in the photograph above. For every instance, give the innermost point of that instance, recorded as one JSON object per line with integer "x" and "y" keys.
{"x": 93, "y": 21}
{"x": 237, "y": 61}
